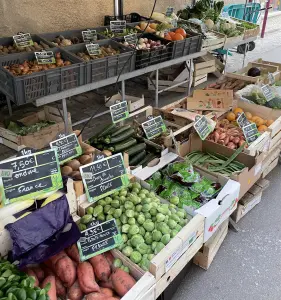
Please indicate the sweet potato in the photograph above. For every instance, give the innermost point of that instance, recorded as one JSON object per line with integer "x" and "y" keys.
{"x": 107, "y": 291}
{"x": 61, "y": 290}
{"x": 109, "y": 257}
{"x": 52, "y": 292}
{"x": 122, "y": 281}
{"x": 39, "y": 272}
{"x": 66, "y": 271}
{"x": 54, "y": 259}
{"x": 30, "y": 272}
{"x": 86, "y": 278}
{"x": 75, "y": 292}
{"x": 72, "y": 252}
{"x": 98, "y": 296}
{"x": 106, "y": 284}
{"x": 47, "y": 271}
{"x": 101, "y": 267}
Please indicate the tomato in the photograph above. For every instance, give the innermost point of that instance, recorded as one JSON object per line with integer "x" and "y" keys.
{"x": 171, "y": 33}
{"x": 178, "y": 37}
{"x": 181, "y": 31}
{"x": 168, "y": 37}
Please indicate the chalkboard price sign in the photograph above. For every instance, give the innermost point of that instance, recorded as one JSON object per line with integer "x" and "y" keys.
{"x": 251, "y": 132}
{"x": 67, "y": 147}
{"x": 45, "y": 57}
{"x": 118, "y": 26}
{"x": 131, "y": 39}
{"x": 119, "y": 111}
{"x": 99, "y": 239}
{"x": 242, "y": 120}
{"x": 23, "y": 40}
{"x": 202, "y": 127}
{"x": 89, "y": 36}
{"x": 267, "y": 92}
{"x": 32, "y": 175}
{"x": 154, "y": 127}
{"x": 93, "y": 49}
{"x": 107, "y": 176}
{"x": 271, "y": 78}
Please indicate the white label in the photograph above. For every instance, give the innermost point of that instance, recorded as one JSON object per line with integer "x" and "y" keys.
{"x": 188, "y": 242}
{"x": 88, "y": 175}
{"x": 23, "y": 40}
{"x": 45, "y": 57}
{"x": 173, "y": 259}
{"x": 6, "y": 173}
{"x": 258, "y": 169}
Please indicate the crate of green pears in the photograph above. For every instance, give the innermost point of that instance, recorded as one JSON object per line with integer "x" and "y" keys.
{"x": 146, "y": 223}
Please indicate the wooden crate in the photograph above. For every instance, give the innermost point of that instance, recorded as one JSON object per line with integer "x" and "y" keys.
{"x": 230, "y": 42}
{"x": 270, "y": 159}
{"x": 250, "y": 199}
{"x": 271, "y": 63}
{"x": 204, "y": 65}
{"x": 199, "y": 79}
{"x": 213, "y": 44}
{"x": 248, "y": 33}
{"x": 207, "y": 253}
{"x": 40, "y": 139}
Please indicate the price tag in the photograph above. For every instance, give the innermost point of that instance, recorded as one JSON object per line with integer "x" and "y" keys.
{"x": 251, "y": 132}
{"x": 131, "y": 39}
{"x": 6, "y": 173}
{"x": 99, "y": 239}
{"x": 119, "y": 111}
{"x": 93, "y": 49}
{"x": 118, "y": 26}
{"x": 32, "y": 175}
{"x": 267, "y": 92}
{"x": 108, "y": 175}
{"x": 271, "y": 78}
{"x": 45, "y": 57}
{"x": 202, "y": 127}
{"x": 67, "y": 147}
{"x": 88, "y": 175}
{"x": 169, "y": 11}
{"x": 99, "y": 156}
{"x": 154, "y": 127}
{"x": 242, "y": 120}
{"x": 23, "y": 40}
{"x": 26, "y": 151}
{"x": 89, "y": 36}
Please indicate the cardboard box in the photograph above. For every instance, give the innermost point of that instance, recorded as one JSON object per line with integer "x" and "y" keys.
{"x": 247, "y": 177}
{"x": 134, "y": 103}
{"x": 40, "y": 139}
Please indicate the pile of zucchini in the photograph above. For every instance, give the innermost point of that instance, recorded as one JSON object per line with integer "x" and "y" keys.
{"x": 123, "y": 139}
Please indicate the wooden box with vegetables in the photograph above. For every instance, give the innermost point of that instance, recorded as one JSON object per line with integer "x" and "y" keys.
{"x": 35, "y": 131}
{"x": 149, "y": 242}
{"x": 250, "y": 29}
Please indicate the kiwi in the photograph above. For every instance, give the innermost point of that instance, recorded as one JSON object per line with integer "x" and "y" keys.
{"x": 74, "y": 164}
{"x": 66, "y": 170}
{"x": 85, "y": 159}
{"x": 75, "y": 175}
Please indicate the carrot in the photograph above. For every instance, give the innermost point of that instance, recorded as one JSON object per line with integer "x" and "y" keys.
{"x": 98, "y": 296}
{"x": 101, "y": 267}
{"x": 61, "y": 290}
{"x": 75, "y": 292}
{"x": 107, "y": 291}
{"x": 39, "y": 272}
{"x": 122, "y": 281}
{"x": 73, "y": 253}
{"x": 52, "y": 291}
{"x": 31, "y": 273}
{"x": 86, "y": 278}
{"x": 66, "y": 271}
{"x": 109, "y": 257}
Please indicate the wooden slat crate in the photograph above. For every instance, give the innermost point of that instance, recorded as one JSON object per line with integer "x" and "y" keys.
{"x": 207, "y": 253}
{"x": 199, "y": 79}
{"x": 250, "y": 199}
{"x": 204, "y": 65}
{"x": 271, "y": 160}
{"x": 213, "y": 44}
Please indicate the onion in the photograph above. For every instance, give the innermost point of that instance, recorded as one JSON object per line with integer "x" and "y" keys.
{"x": 141, "y": 41}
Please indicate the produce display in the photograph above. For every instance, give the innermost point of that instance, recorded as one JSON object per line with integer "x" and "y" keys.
{"x": 21, "y": 129}
{"x": 227, "y": 83}
{"x": 105, "y": 51}
{"x": 182, "y": 186}
{"x": 146, "y": 224}
{"x": 110, "y": 34}
{"x": 61, "y": 41}
{"x": 29, "y": 67}
{"x": 145, "y": 44}
{"x": 156, "y": 28}
{"x": 228, "y": 27}
{"x": 178, "y": 35}
{"x": 216, "y": 162}
{"x": 258, "y": 97}
{"x": 15, "y": 49}
{"x": 126, "y": 139}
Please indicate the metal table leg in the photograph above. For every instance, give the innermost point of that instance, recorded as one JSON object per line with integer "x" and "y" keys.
{"x": 188, "y": 65}
{"x": 225, "y": 61}
{"x": 123, "y": 90}
{"x": 245, "y": 52}
{"x": 156, "y": 87}
{"x": 65, "y": 115}
{"x": 9, "y": 106}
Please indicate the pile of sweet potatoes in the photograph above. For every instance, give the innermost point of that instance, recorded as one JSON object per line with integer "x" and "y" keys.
{"x": 96, "y": 279}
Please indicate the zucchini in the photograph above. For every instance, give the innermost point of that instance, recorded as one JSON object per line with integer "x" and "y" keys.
{"x": 105, "y": 131}
{"x": 147, "y": 159}
{"x": 119, "y": 138}
{"x": 121, "y": 130}
{"x": 135, "y": 149}
{"x": 123, "y": 145}
{"x": 134, "y": 161}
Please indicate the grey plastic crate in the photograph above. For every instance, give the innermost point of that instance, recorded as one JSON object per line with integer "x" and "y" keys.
{"x": 9, "y": 41}
{"x": 68, "y": 34}
{"x": 101, "y": 30}
{"x": 110, "y": 66}
{"x": 27, "y": 88}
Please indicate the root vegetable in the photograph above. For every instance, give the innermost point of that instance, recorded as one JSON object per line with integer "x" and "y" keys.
{"x": 98, "y": 296}
{"x": 216, "y": 136}
{"x": 101, "y": 267}
{"x": 122, "y": 281}
{"x": 66, "y": 271}
{"x": 109, "y": 257}
{"x": 231, "y": 145}
{"x": 222, "y": 136}
{"x": 106, "y": 284}
{"x": 52, "y": 291}
{"x": 39, "y": 272}
{"x": 31, "y": 273}
{"x": 106, "y": 291}
{"x": 60, "y": 289}
{"x": 86, "y": 278}
{"x": 54, "y": 259}
{"x": 75, "y": 292}
{"x": 236, "y": 140}
{"x": 73, "y": 253}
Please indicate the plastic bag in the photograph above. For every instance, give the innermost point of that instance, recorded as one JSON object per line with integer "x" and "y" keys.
{"x": 43, "y": 233}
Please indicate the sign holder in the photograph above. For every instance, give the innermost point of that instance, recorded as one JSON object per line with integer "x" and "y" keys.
{"x": 119, "y": 111}
{"x": 154, "y": 127}
{"x": 202, "y": 127}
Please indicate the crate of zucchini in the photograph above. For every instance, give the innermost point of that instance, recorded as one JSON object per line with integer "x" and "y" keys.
{"x": 157, "y": 236}
{"x": 113, "y": 59}
{"x": 130, "y": 138}
{"x": 23, "y": 80}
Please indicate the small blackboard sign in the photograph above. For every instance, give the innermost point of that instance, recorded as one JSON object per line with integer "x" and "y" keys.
{"x": 154, "y": 127}
{"x": 118, "y": 26}
{"x": 93, "y": 49}
{"x": 45, "y": 57}
{"x": 169, "y": 11}
{"x": 251, "y": 132}
{"x": 67, "y": 147}
{"x": 119, "y": 111}
{"x": 131, "y": 39}
{"x": 267, "y": 92}
{"x": 32, "y": 175}
{"x": 89, "y": 36}
{"x": 103, "y": 177}
{"x": 99, "y": 156}
{"x": 202, "y": 127}
{"x": 99, "y": 239}
{"x": 23, "y": 40}
{"x": 242, "y": 120}
{"x": 26, "y": 151}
